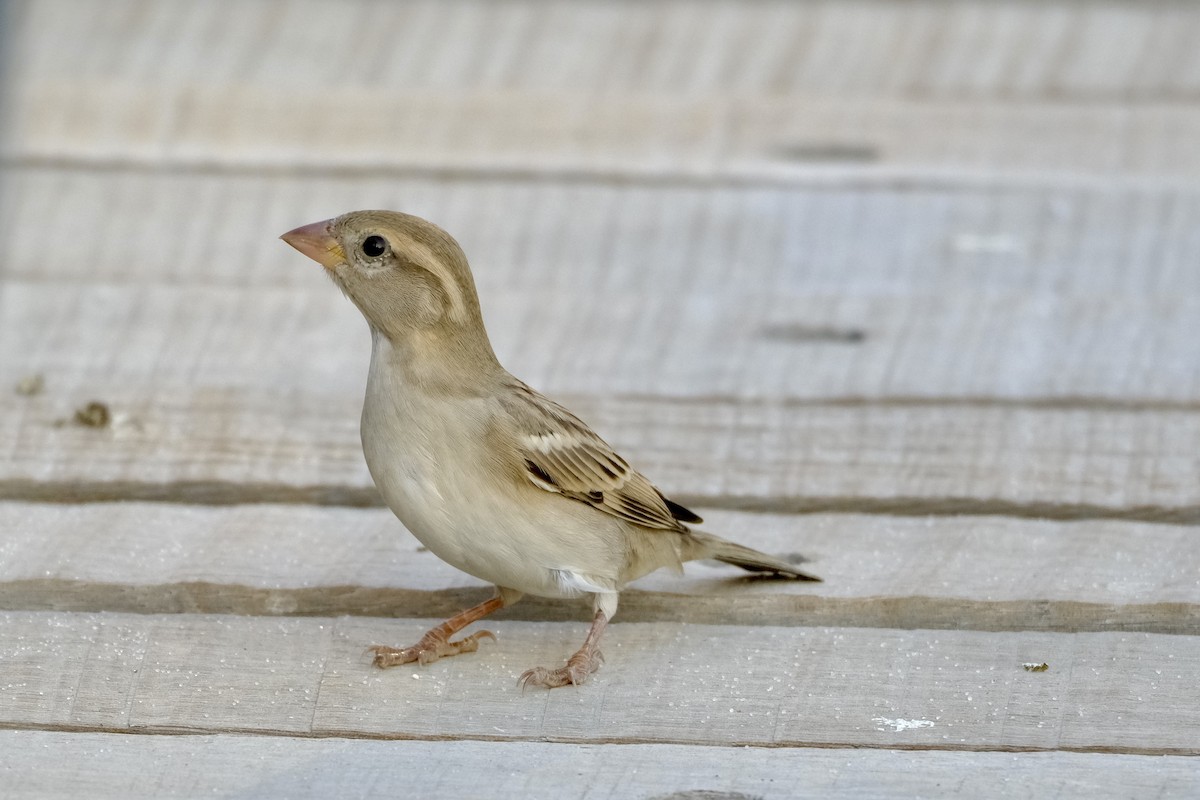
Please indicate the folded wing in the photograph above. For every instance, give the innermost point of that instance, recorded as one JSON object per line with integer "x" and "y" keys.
{"x": 562, "y": 454}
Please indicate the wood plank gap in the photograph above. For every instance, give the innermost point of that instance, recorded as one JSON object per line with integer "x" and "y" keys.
{"x": 221, "y": 493}
{"x": 914, "y": 612}
{"x": 948, "y": 507}
{"x": 817, "y": 176}
{"x": 1048, "y": 403}
{"x": 71, "y": 765}
{"x": 157, "y": 730}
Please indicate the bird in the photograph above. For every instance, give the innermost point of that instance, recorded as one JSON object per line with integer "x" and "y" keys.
{"x": 488, "y": 474}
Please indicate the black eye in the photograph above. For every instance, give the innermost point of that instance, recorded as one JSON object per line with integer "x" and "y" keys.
{"x": 374, "y": 246}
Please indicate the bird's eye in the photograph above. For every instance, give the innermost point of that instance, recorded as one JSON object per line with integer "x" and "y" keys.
{"x": 374, "y": 246}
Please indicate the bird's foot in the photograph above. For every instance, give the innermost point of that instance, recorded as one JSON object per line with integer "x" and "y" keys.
{"x": 433, "y": 645}
{"x": 578, "y": 669}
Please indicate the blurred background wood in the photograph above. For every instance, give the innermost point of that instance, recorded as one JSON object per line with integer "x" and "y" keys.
{"x": 907, "y": 287}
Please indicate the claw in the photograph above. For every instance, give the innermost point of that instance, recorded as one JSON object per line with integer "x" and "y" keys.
{"x": 578, "y": 669}
{"x": 538, "y": 676}
{"x": 431, "y": 647}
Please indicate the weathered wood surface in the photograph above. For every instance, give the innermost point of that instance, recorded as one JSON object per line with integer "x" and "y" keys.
{"x": 923, "y": 272}
{"x": 673, "y": 682}
{"x": 70, "y": 765}
{"x": 752, "y": 346}
{"x": 1013, "y": 49}
{"x": 208, "y": 408}
{"x": 960, "y": 91}
{"x": 239, "y": 446}
{"x": 874, "y": 239}
{"x": 746, "y": 293}
{"x": 644, "y": 138}
{"x": 990, "y": 574}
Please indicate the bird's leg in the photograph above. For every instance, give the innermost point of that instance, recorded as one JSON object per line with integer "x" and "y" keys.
{"x": 436, "y": 643}
{"x": 579, "y": 667}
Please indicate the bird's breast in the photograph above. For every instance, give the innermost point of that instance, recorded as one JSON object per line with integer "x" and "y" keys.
{"x": 432, "y": 465}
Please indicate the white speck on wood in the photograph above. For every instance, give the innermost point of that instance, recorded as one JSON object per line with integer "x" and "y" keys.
{"x": 899, "y": 725}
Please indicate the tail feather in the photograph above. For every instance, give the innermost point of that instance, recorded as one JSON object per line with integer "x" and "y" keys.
{"x": 748, "y": 559}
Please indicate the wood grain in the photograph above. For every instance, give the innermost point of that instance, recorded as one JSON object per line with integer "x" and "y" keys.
{"x": 46, "y": 764}
{"x": 925, "y": 91}
{"x": 845, "y": 243}
{"x": 1082, "y": 351}
{"x": 1061, "y": 51}
{"x": 908, "y": 288}
{"x": 988, "y": 573}
{"x": 236, "y": 446}
{"x": 640, "y": 138}
{"x": 1104, "y": 692}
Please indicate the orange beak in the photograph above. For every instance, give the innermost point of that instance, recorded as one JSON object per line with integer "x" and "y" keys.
{"x": 316, "y": 242}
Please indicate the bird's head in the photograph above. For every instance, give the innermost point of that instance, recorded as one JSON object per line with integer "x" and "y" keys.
{"x": 407, "y": 276}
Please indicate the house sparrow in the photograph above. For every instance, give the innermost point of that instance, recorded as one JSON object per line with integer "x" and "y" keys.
{"x": 491, "y": 476}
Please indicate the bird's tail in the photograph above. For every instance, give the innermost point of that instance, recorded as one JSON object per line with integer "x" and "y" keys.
{"x": 740, "y": 556}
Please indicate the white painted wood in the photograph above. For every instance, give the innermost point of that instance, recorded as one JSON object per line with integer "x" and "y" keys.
{"x": 664, "y": 89}
{"x": 984, "y": 573}
{"x": 639, "y": 137}
{"x": 866, "y": 240}
{"x": 852, "y": 256}
{"x": 299, "y": 547}
{"x": 46, "y": 764}
{"x": 662, "y": 682}
{"x": 974, "y": 346}
{"x": 239, "y": 446}
{"x": 1061, "y": 51}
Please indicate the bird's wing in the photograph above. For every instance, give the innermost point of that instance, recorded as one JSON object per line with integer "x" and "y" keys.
{"x": 562, "y": 454}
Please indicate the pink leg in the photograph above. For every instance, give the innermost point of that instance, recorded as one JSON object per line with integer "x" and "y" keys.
{"x": 579, "y": 667}
{"x": 436, "y": 643}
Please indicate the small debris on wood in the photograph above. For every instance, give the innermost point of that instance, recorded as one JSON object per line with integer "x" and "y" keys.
{"x": 94, "y": 415}
{"x": 788, "y": 332}
{"x": 899, "y": 725}
{"x": 30, "y": 385}
{"x": 1035, "y": 667}
{"x": 835, "y": 152}
{"x": 706, "y": 794}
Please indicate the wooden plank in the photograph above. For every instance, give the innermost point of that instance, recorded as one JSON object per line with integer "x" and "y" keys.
{"x": 873, "y": 239}
{"x": 1062, "y": 51}
{"x": 983, "y": 573}
{"x": 1084, "y": 351}
{"x": 49, "y": 764}
{"x": 295, "y": 445}
{"x": 1103, "y": 692}
{"x": 638, "y": 137}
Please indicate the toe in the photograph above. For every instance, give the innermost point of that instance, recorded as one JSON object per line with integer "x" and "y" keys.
{"x": 578, "y": 675}
{"x": 538, "y": 676}
{"x": 384, "y": 657}
{"x": 554, "y": 678}
{"x": 431, "y": 648}
{"x": 427, "y": 655}
{"x": 468, "y": 644}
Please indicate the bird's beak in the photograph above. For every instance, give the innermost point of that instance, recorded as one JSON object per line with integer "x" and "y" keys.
{"x": 317, "y": 243}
